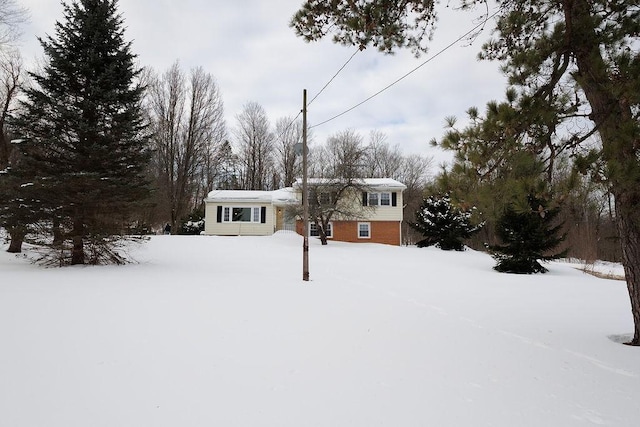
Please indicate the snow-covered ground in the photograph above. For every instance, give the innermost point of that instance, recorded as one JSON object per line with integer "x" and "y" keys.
{"x": 222, "y": 331}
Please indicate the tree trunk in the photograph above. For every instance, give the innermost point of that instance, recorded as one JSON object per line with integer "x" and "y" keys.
{"x": 17, "y": 237}
{"x": 58, "y": 237}
{"x": 77, "y": 252}
{"x": 630, "y": 241}
{"x": 611, "y": 113}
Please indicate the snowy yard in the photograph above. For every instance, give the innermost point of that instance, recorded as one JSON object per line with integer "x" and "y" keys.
{"x": 221, "y": 331}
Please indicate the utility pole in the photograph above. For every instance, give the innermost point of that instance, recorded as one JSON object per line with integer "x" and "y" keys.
{"x": 305, "y": 193}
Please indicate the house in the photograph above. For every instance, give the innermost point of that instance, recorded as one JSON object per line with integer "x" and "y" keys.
{"x": 375, "y": 206}
{"x": 247, "y": 213}
{"x": 371, "y": 210}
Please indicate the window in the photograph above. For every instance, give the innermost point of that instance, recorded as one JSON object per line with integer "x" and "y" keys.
{"x": 380, "y": 199}
{"x": 324, "y": 198}
{"x": 241, "y": 214}
{"x": 364, "y": 230}
{"x": 314, "y": 232}
{"x": 248, "y": 214}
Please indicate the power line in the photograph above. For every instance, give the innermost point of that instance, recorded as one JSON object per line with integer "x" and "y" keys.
{"x": 286, "y": 129}
{"x": 450, "y": 45}
{"x": 334, "y": 76}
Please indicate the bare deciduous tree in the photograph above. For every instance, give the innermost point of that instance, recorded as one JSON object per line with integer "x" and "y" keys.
{"x": 11, "y": 77}
{"x": 255, "y": 147}
{"x": 287, "y": 162}
{"x": 343, "y": 156}
{"x": 342, "y": 163}
{"x": 414, "y": 172}
{"x": 186, "y": 117}
{"x": 338, "y": 168}
{"x": 12, "y": 16}
{"x": 383, "y": 160}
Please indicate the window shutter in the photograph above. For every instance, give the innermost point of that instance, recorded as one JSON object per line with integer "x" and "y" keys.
{"x": 263, "y": 215}
{"x": 365, "y": 198}
{"x": 219, "y": 216}
{"x": 394, "y": 199}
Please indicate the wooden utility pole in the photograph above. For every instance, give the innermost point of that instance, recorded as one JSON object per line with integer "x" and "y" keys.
{"x": 305, "y": 193}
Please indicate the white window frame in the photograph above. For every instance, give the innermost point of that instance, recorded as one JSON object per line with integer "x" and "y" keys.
{"x": 227, "y": 214}
{"x": 312, "y": 225}
{"x": 378, "y": 198}
{"x": 368, "y": 225}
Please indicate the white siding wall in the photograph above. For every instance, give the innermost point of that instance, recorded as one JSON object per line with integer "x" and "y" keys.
{"x": 372, "y": 213}
{"x": 212, "y": 227}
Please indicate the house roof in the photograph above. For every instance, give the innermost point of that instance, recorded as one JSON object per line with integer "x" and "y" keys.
{"x": 286, "y": 196}
{"x": 278, "y": 197}
{"x": 373, "y": 183}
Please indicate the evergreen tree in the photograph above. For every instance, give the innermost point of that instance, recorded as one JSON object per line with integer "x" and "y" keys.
{"x": 443, "y": 224}
{"x": 528, "y": 236}
{"x": 85, "y": 134}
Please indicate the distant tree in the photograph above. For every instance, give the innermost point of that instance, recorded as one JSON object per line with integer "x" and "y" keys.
{"x": 229, "y": 169}
{"x": 287, "y": 162}
{"x": 528, "y": 236}
{"x": 11, "y": 80}
{"x": 187, "y": 120}
{"x": 84, "y": 133}
{"x": 343, "y": 156}
{"x": 414, "y": 172}
{"x": 382, "y": 160}
{"x": 255, "y": 143}
{"x": 12, "y": 16}
{"x": 443, "y": 224}
{"x": 12, "y": 205}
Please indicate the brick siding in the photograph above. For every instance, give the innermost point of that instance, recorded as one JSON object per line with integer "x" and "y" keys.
{"x": 387, "y": 232}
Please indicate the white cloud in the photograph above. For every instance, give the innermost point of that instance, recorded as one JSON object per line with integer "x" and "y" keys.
{"x": 255, "y": 56}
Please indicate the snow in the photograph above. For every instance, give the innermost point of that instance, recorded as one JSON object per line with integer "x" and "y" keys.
{"x": 282, "y": 196}
{"x": 222, "y": 331}
{"x": 239, "y": 195}
{"x": 375, "y": 183}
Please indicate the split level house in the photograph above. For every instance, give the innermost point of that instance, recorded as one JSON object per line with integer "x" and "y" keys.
{"x": 366, "y": 210}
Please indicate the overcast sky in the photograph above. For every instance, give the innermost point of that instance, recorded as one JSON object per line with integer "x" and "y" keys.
{"x": 248, "y": 46}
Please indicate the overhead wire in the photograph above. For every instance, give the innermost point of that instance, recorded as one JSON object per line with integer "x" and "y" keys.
{"x": 319, "y": 93}
{"x": 334, "y": 76}
{"x": 450, "y": 45}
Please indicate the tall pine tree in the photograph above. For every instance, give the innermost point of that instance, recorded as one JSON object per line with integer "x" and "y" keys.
{"x": 84, "y": 129}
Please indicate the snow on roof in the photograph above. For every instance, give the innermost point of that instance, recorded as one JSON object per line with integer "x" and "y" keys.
{"x": 287, "y": 195}
{"x": 375, "y": 183}
{"x": 239, "y": 195}
{"x": 282, "y": 196}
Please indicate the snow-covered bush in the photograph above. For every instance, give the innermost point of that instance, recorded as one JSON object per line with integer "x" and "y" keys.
{"x": 443, "y": 224}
